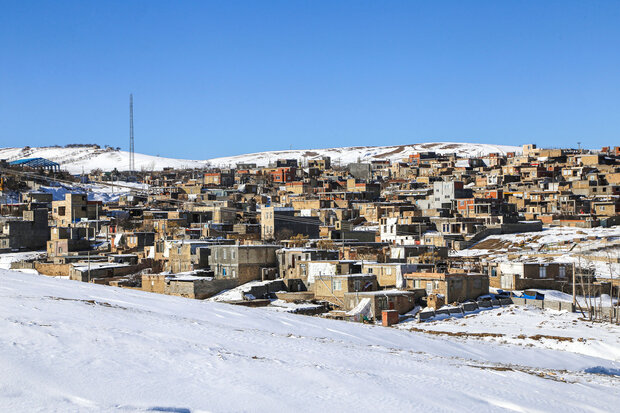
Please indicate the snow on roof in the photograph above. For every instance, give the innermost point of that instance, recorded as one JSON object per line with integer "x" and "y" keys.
{"x": 344, "y": 275}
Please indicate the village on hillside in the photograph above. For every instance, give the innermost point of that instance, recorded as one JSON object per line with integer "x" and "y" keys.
{"x": 427, "y": 236}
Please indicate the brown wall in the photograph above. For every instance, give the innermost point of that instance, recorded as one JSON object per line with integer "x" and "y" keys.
{"x": 55, "y": 270}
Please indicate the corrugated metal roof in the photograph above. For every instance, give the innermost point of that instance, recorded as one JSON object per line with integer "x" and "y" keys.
{"x": 35, "y": 162}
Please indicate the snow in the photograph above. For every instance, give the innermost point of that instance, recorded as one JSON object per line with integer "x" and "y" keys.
{"x": 555, "y": 295}
{"x": 362, "y": 308}
{"x": 288, "y": 307}
{"x": 95, "y": 192}
{"x": 6, "y": 259}
{"x": 517, "y": 325}
{"x": 237, "y": 293}
{"x": 85, "y": 159}
{"x": 346, "y": 155}
{"x": 557, "y": 244}
{"x": 70, "y": 346}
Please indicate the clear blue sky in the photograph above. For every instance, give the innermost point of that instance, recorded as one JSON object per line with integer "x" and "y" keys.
{"x": 228, "y": 77}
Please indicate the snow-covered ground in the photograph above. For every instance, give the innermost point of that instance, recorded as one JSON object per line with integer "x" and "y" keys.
{"x": 77, "y": 160}
{"x": 530, "y": 327}
{"x": 70, "y": 346}
{"x": 7, "y": 258}
{"x": 595, "y": 248}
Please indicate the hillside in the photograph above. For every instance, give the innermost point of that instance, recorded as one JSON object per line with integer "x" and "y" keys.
{"x": 73, "y": 346}
{"x": 346, "y": 155}
{"x": 75, "y": 160}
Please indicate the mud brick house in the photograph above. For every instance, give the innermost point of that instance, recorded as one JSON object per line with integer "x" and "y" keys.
{"x": 332, "y": 288}
{"x": 455, "y": 287}
{"x": 74, "y": 208}
{"x": 512, "y": 275}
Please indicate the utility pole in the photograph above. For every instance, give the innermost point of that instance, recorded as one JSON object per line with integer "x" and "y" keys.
{"x": 97, "y": 224}
{"x": 574, "y": 291}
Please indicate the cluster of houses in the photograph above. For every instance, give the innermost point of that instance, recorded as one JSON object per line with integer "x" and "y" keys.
{"x": 376, "y": 235}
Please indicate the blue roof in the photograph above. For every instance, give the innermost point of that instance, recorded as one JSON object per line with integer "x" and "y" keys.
{"x": 35, "y": 162}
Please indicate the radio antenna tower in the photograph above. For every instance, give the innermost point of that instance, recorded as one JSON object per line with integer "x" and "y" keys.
{"x": 132, "y": 164}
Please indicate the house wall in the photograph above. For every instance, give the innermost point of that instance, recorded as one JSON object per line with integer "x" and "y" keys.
{"x": 198, "y": 289}
{"x": 324, "y": 287}
{"x": 55, "y": 270}
{"x": 31, "y": 232}
{"x": 154, "y": 283}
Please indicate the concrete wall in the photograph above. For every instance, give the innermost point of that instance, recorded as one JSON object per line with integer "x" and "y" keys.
{"x": 31, "y": 232}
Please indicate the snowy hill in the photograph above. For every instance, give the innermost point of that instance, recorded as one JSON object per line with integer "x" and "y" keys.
{"x": 70, "y": 346}
{"x": 90, "y": 157}
{"x": 76, "y": 160}
{"x": 351, "y": 154}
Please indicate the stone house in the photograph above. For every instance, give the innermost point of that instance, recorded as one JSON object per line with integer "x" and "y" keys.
{"x": 332, "y": 288}
{"x": 74, "y": 208}
{"x": 511, "y": 275}
{"x": 188, "y": 255}
{"x": 389, "y": 275}
{"x": 274, "y": 220}
{"x": 455, "y": 287}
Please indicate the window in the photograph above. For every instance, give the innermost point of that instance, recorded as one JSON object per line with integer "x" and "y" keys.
{"x": 417, "y": 284}
{"x": 357, "y": 285}
{"x": 542, "y": 272}
{"x": 562, "y": 271}
{"x": 493, "y": 271}
{"x": 224, "y": 254}
{"x": 336, "y": 285}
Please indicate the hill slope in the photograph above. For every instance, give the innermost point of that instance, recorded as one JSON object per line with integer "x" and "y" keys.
{"x": 73, "y": 346}
{"x": 88, "y": 158}
{"x": 76, "y": 160}
{"x": 351, "y": 154}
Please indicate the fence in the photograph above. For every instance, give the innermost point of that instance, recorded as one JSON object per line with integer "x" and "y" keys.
{"x": 464, "y": 308}
{"x": 604, "y": 312}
